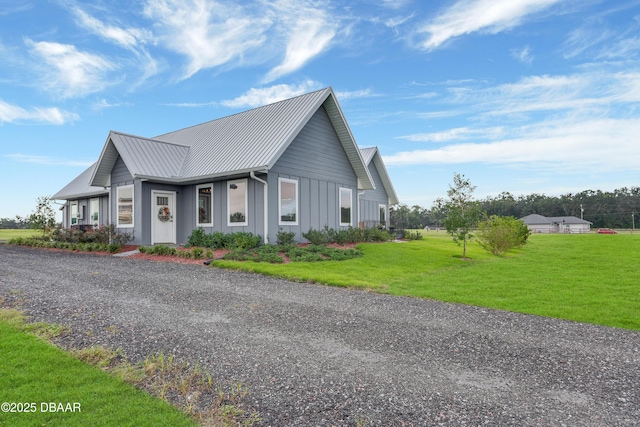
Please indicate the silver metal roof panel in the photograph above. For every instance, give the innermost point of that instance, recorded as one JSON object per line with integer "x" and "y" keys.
{"x": 79, "y": 187}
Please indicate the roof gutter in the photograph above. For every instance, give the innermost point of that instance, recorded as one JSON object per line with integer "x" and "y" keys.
{"x": 252, "y": 174}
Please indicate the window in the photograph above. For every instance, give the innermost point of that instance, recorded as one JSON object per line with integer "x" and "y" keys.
{"x": 288, "y": 196}
{"x": 345, "y": 206}
{"x": 237, "y": 203}
{"x": 94, "y": 212}
{"x": 74, "y": 213}
{"x": 383, "y": 214}
{"x": 125, "y": 206}
{"x": 205, "y": 204}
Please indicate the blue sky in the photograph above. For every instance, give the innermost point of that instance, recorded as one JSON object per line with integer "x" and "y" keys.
{"x": 524, "y": 96}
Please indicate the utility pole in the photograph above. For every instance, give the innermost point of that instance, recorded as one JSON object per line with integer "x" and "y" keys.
{"x": 581, "y": 211}
{"x": 633, "y": 222}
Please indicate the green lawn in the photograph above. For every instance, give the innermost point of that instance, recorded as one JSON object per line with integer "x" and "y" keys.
{"x": 35, "y": 373}
{"x": 588, "y": 278}
{"x": 8, "y": 234}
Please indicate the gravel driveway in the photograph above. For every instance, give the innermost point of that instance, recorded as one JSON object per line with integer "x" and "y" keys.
{"x": 320, "y": 356}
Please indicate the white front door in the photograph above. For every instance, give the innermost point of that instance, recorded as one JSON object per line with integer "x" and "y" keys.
{"x": 163, "y": 218}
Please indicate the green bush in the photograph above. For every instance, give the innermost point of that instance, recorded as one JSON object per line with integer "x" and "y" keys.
{"x": 412, "y": 235}
{"x": 215, "y": 240}
{"x": 285, "y": 238}
{"x": 377, "y": 235}
{"x": 53, "y": 244}
{"x": 105, "y": 234}
{"x": 242, "y": 240}
{"x": 499, "y": 234}
{"x": 219, "y": 240}
{"x": 197, "y": 253}
{"x": 317, "y": 237}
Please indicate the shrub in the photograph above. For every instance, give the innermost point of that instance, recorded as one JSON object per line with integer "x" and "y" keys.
{"x": 104, "y": 234}
{"x": 499, "y": 234}
{"x": 317, "y": 237}
{"x": 412, "y": 235}
{"x": 199, "y": 237}
{"x": 377, "y": 235}
{"x": 242, "y": 240}
{"x": 157, "y": 250}
{"x": 285, "y": 238}
{"x": 237, "y": 255}
{"x": 197, "y": 253}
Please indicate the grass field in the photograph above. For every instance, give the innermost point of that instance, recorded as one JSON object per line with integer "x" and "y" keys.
{"x": 34, "y": 374}
{"x": 588, "y": 278}
{"x": 8, "y": 234}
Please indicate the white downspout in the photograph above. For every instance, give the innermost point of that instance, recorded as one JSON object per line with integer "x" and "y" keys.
{"x": 266, "y": 205}
{"x": 359, "y": 207}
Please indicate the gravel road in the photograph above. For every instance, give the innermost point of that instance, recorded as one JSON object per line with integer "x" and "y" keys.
{"x": 319, "y": 356}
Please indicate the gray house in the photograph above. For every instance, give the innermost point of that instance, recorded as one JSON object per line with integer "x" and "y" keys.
{"x": 556, "y": 224}
{"x": 292, "y": 165}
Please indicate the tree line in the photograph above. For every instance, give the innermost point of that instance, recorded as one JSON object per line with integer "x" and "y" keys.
{"x": 616, "y": 209}
{"x": 15, "y": 223}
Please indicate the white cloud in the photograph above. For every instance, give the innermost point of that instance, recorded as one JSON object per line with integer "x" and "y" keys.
{"x": 258, "y": 97}
{"x": 523, "y": 55}
{"x": 132, "y": 39}
{"x": 593, "y": 91}
{"x": 12, "y": 113}
{"x": 68, "y": 71}
{"x": 584, "y": 39}
{"x": 193, "y": 104}
{"x": 602, "y": 145}
{"x": 455, "y": 134}
{"x": 128, "y": 38}
{"x": 103, "y": 104}
{"x": 363, "y": 93}
{"x": 45, "y": 160}
{"x": 309, "y": 31}
{"x": 9, "y": 7}
{"x": 485, "y": 16}
{"x": 208, "y": 33}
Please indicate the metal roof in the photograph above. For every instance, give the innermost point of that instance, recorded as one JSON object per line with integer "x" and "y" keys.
{"x": 80, "y": 187}
{"x": 534, "y": 219}
{"x": 249, "y": 141}
{"x": 373, "y": 154}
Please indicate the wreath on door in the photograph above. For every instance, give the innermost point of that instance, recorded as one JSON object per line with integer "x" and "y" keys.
{"x": 164, "y": 214}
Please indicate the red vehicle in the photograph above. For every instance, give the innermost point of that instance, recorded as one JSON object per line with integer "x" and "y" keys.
{"x": 606, "y": 231}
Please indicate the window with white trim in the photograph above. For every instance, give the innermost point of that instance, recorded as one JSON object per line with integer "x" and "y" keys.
{"x": 237, "y": 203}
{"x": 94, "y": 212}
{"x": 74, "y": 213}
{"x": 383, "y": 214}
{"x": 204, "y": 205}
{"x": 125, "y": 206}
{"x": 345, "y": 206}
{"x": 288, "y": 201}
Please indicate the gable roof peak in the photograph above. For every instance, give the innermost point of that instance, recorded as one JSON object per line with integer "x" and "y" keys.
{"x": 249, "y": 111}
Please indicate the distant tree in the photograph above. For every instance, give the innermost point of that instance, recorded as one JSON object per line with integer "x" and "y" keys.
{"x": 14, "y": 223}
{"x": 462, "y": 212}
{"x": 499, "y": 234}
{"x": 438, "y": 211}
{"x": 43, "y": 217}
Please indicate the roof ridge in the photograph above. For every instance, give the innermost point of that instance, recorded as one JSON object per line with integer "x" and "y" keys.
{"x": 149, "y": 139}
{"x": 243, "y": 112}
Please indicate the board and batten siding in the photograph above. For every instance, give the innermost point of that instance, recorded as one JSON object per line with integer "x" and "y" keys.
{"x": 317, "y": 160}
{"x": 371, "y": 200}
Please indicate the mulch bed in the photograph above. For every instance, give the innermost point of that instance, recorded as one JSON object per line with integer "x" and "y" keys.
{"x": 181, "y": 260}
